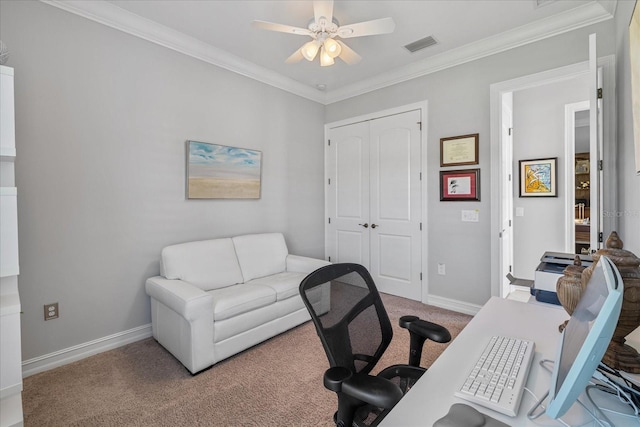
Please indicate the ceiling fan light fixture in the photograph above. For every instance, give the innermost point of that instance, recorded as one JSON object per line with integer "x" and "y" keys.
{"x": 332, "y": 48}
{"x": 325, "y": 58}
{"x": 323, "y": 27}
{"x": 310, "y": 50}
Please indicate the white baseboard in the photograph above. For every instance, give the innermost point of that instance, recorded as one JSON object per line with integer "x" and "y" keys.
{"x": 81, "y": 351}
{"x": 453, "y": 305}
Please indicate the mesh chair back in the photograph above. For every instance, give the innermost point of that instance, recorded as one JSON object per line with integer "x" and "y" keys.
{"x": 348, "y": 314}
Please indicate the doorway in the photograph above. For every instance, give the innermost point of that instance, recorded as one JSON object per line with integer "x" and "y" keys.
{"x": 374, "y": 198}
{"x": 500, "y": 211}
{"x": 577, "y": 188}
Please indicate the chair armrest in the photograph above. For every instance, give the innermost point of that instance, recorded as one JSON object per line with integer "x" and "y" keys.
{"x": 425, "y": 329}
{"x": 420, "y": 331}
{"x": 304, "y": 264}
{"x": 374, "y": 390}
{"x": 187, "y": 300}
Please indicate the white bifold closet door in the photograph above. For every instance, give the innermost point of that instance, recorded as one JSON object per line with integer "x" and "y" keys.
{"x": 374, "y": 200}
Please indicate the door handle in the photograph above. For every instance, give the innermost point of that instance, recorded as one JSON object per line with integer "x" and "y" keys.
{"x": 374, "y": 225}
{"x": 365, "y": 225}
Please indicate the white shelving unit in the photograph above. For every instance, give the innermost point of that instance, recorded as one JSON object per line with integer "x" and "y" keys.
{"x": 10, "y": 341}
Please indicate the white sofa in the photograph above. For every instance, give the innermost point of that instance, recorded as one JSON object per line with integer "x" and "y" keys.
{"x": 217, "y": 297}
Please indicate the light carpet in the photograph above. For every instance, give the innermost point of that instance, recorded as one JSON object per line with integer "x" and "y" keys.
{"x": 276, "y": 383}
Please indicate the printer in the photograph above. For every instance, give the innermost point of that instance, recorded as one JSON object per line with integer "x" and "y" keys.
{"x": 550, "y": 269}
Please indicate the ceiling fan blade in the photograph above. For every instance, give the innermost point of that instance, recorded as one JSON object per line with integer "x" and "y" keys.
{"x": 368, "y": 28}
{"x": 263, "y": 25}
{"x": 323, "y": 8}
{"x": 295, "y": 57}
{"x": 348, "y": 55}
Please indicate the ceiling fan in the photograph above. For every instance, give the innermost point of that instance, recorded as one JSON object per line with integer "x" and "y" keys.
{"x": 324, "y": 28}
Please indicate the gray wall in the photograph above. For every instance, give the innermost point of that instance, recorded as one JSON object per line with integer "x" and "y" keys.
{"x": 101, "y": 122}
{"x": 628, "y": 183}
{"x": 459, "y": 104}
{"x": 102, "y": 118}
{"x": 539, "y": 132}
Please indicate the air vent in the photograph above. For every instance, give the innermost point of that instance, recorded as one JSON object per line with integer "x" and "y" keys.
{"x": 421, "y": 44}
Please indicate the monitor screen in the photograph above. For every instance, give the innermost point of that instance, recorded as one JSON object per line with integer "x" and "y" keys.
{"x": 586, "y": 337}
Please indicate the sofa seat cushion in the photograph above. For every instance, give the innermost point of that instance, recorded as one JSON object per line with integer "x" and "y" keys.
{"x": 207, "y": 264}
{"x": 285, "y": 284}
{"x": 238, "y": 299}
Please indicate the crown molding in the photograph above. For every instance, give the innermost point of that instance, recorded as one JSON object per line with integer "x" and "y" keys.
{"x": 582, "y": 16}
{"x": 115, "y": 17}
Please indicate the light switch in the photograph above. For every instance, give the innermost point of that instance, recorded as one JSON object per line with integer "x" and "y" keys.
{"x": 470, "y": 216}
{"x": 519, "y": 211}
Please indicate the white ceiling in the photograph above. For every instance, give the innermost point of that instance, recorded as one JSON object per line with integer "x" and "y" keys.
{"x": 220, "y": 32}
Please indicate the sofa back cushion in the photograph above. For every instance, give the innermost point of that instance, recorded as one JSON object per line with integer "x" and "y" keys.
{"x": 207, "y": 264}
{"x": 261, "y": 255}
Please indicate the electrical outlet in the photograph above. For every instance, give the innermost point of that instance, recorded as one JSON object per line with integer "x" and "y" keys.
{"x": 441, "y": 269}
{"x": 51, "y": 311}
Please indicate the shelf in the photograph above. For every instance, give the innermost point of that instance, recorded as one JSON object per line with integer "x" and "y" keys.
{"x": 9, "y": 304}
{"x": 9, "y": 265}
{"x": 7, "y": 114}
{"x": 8, "y": 191}
{"x": 7, "y": 152}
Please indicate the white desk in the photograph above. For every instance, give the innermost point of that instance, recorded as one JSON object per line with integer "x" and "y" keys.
{"x": 431, "y": 397}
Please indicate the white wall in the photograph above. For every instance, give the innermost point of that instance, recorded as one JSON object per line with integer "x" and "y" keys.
{"x": 459, "y": 104}
{"x": 539, "y": 132}
{"x": 102, "y": 118}
{"x": 628, "y": 212}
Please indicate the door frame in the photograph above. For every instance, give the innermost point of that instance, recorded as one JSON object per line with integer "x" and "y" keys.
{"x": 609, "y": 154}
{"x": 424, "y": 246}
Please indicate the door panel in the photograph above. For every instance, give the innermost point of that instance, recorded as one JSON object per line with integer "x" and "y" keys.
{"x": 348, "y": 194}
{"x": 394, "y": 197}
{"x": 350, "y": 247}
{"x": 396, "y": 204}
{"x": 374, "y": 200}
{"x": 506, "y": 232}
{"x": 394, "y": 257}
{"x": 350, "y": 177}
{"x": 595, "y": 146}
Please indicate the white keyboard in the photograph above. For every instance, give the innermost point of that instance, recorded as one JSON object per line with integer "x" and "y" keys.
{"x": 498, "y": 378}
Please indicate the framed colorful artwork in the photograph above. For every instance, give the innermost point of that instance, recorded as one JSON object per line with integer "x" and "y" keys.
{"x": 460, "y": 185}
{"x": 538, "y": 178}
{"x": 221, "y": 172}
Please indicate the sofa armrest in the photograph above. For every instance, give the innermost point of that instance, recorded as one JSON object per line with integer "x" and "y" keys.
{"x": 187, "y": 300}
{"x": 304, "y": 264}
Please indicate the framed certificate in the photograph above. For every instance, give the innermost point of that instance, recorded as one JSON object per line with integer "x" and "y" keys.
{"x": 459, "y": 150}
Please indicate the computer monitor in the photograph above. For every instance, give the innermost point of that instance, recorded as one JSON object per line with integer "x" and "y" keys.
{"x": 586, "y": 337}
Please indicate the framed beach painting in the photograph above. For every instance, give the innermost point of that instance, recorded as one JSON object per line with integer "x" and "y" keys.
{"x": 222, "y": 172}
{"x": 538, "y": 178}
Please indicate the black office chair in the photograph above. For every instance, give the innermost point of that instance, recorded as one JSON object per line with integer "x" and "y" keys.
{"x": 354, "y": 328}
